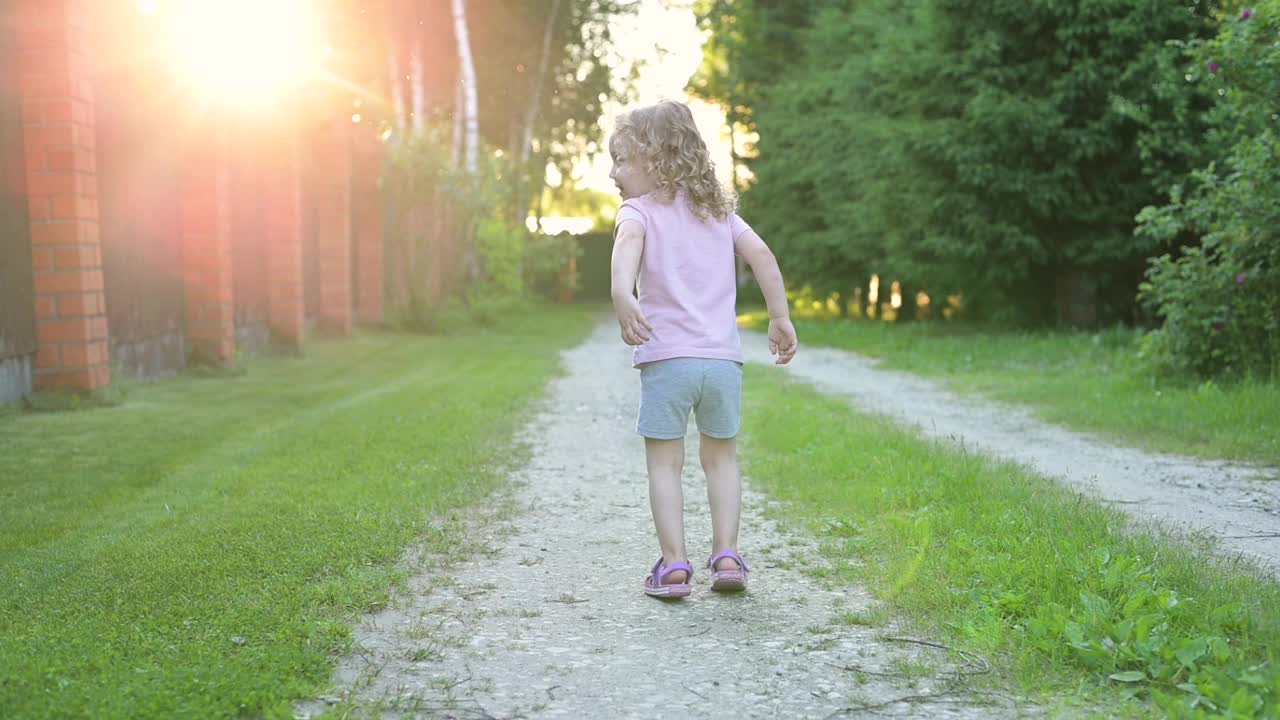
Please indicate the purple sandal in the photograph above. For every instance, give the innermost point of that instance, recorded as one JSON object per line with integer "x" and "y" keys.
{"x": 654, "y": 586}
{"x": 728, "y": 580}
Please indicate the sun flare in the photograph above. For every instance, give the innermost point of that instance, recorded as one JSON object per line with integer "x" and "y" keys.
{"x": 243, "y": 50}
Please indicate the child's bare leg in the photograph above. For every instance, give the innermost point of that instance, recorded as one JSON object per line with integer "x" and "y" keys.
{"x": 724, "y": 493}
{"x": 665, "y": 459}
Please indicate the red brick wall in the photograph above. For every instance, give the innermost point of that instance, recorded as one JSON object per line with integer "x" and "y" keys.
{"x": 367, "y": 211}
{"x": 57, "y": 59}
{"x": 206, "y": 250}
{"x": 58, "y": 133}
{"x": 286, "y": 301}
{"x": 332, "y": 213}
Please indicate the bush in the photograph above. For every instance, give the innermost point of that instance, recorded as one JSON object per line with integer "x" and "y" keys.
{"x": 1220, "y": 298}
{"x": 545, "y": 262}
{"x": 503, "y": 247}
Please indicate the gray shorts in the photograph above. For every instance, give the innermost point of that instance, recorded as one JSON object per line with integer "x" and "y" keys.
{"x": 669, "y": 389}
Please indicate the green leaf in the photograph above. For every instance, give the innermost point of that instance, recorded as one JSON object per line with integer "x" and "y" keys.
{"x": 1074, "y": 633}
{"x": 1192, "y": 651}
{"x": 1244, "y": 702}
{"x": 1129, "y": 677}
{"x": 1123, "y": 631}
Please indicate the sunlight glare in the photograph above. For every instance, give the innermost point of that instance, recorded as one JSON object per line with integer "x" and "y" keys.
{"x": 241, "y": 49}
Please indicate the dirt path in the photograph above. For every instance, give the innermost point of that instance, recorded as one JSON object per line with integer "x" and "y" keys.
{"x": 547, "y": 619}
{"x": 1237, "y": 505}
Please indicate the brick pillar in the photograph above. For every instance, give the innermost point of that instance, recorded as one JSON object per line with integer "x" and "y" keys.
{"x": 206, "y": 251}
{"x": 333, "y": 225}
{"x": 282, "y": 185}
{"x": 58, "y": 136}
{"x": 367, "y": 216}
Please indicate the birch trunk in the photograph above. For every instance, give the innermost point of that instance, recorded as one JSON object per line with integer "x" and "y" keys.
{"x": 459, "y": 112}
{"x": 397, "y": 81}
{"x": 473, "y": 264}
{"x": 419, "y": 87}
{"x": 467, "y": 69}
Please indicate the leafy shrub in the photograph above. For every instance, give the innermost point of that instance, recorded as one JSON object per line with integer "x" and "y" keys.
{"x": 546, "y": 262}
{"x": 503, "y": 247}
{"x": 1130, "y": 628}
{"x": 1220, "y": 299}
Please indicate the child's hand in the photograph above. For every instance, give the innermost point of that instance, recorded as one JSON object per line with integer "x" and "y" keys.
{"x": 782, "y": 340}
{"x": 635, "y": 329}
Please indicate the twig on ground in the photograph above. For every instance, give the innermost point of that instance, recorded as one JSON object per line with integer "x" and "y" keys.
{"x": 695, "y": 692}
{"x": 971, "y": 659}
{"x": 938, "y": 697}
{"x": 864, "y": 671}
{"x": 451, "y": 683}
{"x": 928, "y": 697}
{"x": 930, "y": 643}
{"x": 453, "y": 711}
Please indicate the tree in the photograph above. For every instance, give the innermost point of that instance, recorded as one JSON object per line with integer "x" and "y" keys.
{"x": 992, "y": 148}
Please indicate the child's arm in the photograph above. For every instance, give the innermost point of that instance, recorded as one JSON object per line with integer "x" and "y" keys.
{"x": 782, "y": 334}
{"x": 628, "y": 245}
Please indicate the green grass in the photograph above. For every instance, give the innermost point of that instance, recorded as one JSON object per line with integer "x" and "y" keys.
{"x": 1059, "y": 592}
{"x": 1087, "y": 381}
{"x": 200, "y": 550}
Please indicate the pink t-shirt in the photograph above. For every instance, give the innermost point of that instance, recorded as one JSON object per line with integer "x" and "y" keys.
{"x": 687, "y": 285}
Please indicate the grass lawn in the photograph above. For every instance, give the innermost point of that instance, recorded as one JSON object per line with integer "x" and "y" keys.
{"x": 1086, "y": 381}
{"x": 1050, "y": 586}
{"x": 200, "y": 550}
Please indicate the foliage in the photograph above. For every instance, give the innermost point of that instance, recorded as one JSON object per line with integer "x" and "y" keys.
{"x": 515, "y": 261}
{"x": 1129, "y": 625}
{"x": 503, "y": 247}
{"x": 568, "y": 199}
{"x": 438, "y": 205}
{"x": 983, "y": 148}
{"x": 547, "y": 263}
{"x": 448, "y": 247}
{"x": 508, "y": 40}
{"x": 1220, "y": 297}
{"x": 750, "y": 45}
{"x": 502, "y": 290}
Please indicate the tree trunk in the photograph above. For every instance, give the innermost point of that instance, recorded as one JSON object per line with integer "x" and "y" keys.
{"x": 458, "y": 127}
{"x": 419, "y": 88}
{"x": 395, "y": 23}
{"x": 467, "y": 70}
{"x": 531, "y": 115}
{"x": 472, "y": 262}
{"x": 397, "y": 89}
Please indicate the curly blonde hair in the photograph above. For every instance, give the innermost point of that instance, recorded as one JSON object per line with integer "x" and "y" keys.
{"x": 666, "y": 143}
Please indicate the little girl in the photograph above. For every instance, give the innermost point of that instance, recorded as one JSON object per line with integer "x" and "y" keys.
{"x": 675, "y": 240}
